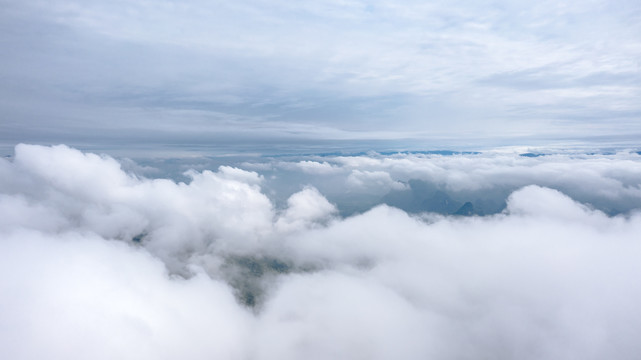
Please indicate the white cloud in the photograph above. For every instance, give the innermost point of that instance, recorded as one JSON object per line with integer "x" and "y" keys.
{"x": 92, "y": 193}
{"x": 379, "y": 181}
{"x": 611, "y": 182}
{"x": 547, "y": 278}
{"x": 81, "y": 296}
{"x": 231, "y": 173}
{"x": 306, "y": 207}
{"x": 315, "y": 167}
{"x": 375, "y": 322}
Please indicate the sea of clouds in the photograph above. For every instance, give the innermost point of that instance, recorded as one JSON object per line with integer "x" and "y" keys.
{"x": 306, "y": 259}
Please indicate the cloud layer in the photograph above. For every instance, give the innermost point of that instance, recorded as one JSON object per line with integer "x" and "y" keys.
{"x": 198, "y": 71}
{"x": 99, "y": 263}
{"x": 419, "y": 182}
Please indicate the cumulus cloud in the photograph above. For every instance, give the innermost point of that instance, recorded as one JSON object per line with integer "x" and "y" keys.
{"x": 315, "y": 167}
{"x": 80, "y": 296}
{"x": 379, "y": 181}
{"x": 99, "y": 263}
{"x": 611, "y": 183}
{"x": 307, "y": 206}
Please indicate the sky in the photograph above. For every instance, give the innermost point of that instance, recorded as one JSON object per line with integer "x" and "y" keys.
{"x": 242, "y": 73}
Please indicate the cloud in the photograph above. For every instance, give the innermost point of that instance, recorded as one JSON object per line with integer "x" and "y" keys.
{"x": 99, "y": 263}
{"x": 306, "y": 207}
{"x": 301, "y": 321}
{"x": 92, "y": 192}
{"x": 314, "y": 167}
{"x": 174, "y": 73}
{"x": 380, "y": 180}
{"x": 608, "y": 182}
{"x": 80, "y": 296}
{"x": 503, "y": 285}
{"x": 536, "y": 201}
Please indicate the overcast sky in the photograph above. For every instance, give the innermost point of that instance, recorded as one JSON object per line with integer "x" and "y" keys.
{"x": 185, "y": 72}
